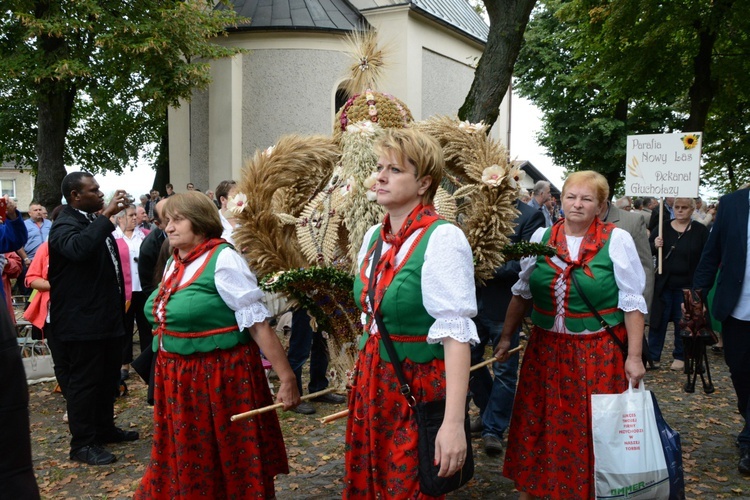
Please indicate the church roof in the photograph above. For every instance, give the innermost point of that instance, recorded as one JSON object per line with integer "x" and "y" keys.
{"x": 340, "y": 15}
{"x": 457, "y": 14}
{"x": 327, "y": 15}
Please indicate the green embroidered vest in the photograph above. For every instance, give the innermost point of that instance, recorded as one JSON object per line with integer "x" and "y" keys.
{"x": 198, "y": 320}
{"x": 601, "y": 290}
{"x": 402, "y": 307}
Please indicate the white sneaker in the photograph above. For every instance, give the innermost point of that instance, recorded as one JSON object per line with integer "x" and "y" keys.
{"x": 677, "y": 365}
{"x": 65, "y": 417}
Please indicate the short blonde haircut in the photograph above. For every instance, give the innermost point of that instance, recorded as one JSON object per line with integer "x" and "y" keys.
{"x": 198, "y": 209}
{"x": 419, "y": 149}
{"x": 690, "y": 201}
{"x": 591, "y": 179}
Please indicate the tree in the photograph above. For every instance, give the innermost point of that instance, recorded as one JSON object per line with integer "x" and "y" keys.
{"x": 602, "y": 70}
{"x": 508, "y": 19}
{"x": 86, "y": 83}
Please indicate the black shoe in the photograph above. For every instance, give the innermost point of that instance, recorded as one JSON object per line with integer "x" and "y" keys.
{"x": 330, "y": 398}
{"x": 492, "y": 445}
{"x": 717, "y": 349}
{"x": 93, "y": 455}
{"x": 305, "y": 408}
{"x": 744, "y": 465}
{"x": 118, "y": 435}
{"x": 124, "y": 374}
{"x": 476, "y": 425}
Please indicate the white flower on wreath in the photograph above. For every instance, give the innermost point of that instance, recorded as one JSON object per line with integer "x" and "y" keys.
{"x": 515, "y": 177}
{"x": 493, "y": 175}
{"x": 471, "y": 128}
{"x": 237, "y": 203}
{"x": 347, "y": 188}
{"x": 369, "y": 184}
{"x": 364, "y": 127}
{"x": 268, "y": 151}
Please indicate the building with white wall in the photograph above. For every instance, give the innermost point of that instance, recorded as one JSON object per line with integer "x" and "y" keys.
{"x": 289, "y": 76}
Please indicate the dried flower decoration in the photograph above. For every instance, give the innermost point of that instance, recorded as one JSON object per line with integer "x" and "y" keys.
{"x": 515, "y": 177}
{"x": 472, "y": 128}
{"x": 493, "y": 175}
{"x": 369, "y": 184}
{"x": 363, "y": 127}
{"x": 237, "y": 203}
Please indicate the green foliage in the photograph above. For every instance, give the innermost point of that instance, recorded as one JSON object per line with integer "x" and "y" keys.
{"x": 601, "y": 70}
{"x": 123, "y": 62}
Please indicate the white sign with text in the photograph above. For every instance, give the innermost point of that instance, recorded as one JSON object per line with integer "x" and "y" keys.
{"x": 662, "y": 165}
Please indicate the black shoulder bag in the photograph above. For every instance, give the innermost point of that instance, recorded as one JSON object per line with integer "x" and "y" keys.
{"x": 429, "y": 414}
{"x": 605, "y": 325}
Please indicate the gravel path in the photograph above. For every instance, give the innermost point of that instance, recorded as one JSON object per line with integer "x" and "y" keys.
{"x": 708, "y": 425}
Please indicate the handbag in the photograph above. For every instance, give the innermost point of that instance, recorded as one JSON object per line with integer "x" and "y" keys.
{"x": 694, "y": 322}
{"x": 37, "y": 359}
{"x": 645, "y": 354}
{"x": 429, "y": 416}
{"x": 630, "y": 458}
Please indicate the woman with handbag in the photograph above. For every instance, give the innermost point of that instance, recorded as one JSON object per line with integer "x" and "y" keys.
{"x": 420, "y": 290}
{"x": 570, "y": 354}
{"x": 682, "y": 241}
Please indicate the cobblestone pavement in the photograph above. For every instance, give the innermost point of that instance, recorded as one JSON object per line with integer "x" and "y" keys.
{"x": 708, "y": 424}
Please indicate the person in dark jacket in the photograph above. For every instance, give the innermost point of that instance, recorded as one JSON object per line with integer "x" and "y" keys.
{"x": 16, "y": 469}
{"x": 87, "y": 299}
{"x": 727, "y": 253}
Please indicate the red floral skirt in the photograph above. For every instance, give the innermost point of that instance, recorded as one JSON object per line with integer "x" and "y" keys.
{"x": 197, "y": 451}
{"x": 550, "y": 451}
{"x": 381, "y": 433}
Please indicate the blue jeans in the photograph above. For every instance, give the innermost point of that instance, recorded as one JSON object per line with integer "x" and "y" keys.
{"x": 304, "y": 344}
{"x": 493, "y": 396}
{"x": 671, "y": 301}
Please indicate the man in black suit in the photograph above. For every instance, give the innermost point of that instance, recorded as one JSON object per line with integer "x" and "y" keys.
{"x": 494, "y": 396}
{"x": 727, "y": 252}
{"x": 87, "y": 309}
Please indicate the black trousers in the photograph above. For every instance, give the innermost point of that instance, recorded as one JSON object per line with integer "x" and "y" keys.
{"x": 736, "y": 336}
{"x": 88, "y": 373}
{"x": 135, "y": 314}
{"x": 16, "y": 470}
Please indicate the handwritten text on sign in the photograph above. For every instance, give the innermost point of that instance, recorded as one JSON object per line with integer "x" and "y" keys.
{"x": 663, "y": 165}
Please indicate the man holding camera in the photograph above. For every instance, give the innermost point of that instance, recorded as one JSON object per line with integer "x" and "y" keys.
{"x": 87, "y": 300}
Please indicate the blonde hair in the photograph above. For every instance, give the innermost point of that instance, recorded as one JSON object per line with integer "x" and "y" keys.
{"x": 591, "y": 179}
{"x": 198, "y": 209}
{"x": 690, "y": 201}
{"x": 419, "y": 149}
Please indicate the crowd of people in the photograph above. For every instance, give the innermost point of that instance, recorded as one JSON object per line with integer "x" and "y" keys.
{"x": 168, "y": 267}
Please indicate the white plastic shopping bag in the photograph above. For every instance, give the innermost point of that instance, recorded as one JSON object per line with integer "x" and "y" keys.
{"x": 628, "y": 454}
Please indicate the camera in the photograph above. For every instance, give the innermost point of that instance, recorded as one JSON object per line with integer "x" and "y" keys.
{"x": 129, "y": 199}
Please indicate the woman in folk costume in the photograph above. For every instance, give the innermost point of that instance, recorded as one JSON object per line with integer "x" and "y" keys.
{"x": 569, "y": 355}
{"x": 209, "y": 324}
{"x": 424, "y": 291}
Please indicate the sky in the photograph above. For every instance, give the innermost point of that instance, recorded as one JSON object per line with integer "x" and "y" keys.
{"x": 525, "y": 123}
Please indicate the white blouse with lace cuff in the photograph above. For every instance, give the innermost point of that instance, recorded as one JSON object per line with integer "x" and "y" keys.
{"x": 448, "y": 291}
{"x": 629, "y": 274}
{"x": 236, "y": 285}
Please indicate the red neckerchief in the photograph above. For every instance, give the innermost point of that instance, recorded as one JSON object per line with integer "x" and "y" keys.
{"x": 595, "y": 238}
{"x": 170, "y": 282}
{"x": 385, "y": 270}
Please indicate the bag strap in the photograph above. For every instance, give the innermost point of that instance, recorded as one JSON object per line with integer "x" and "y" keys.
{"x": 405, "y": 389}
{"x": 598, "y": 316}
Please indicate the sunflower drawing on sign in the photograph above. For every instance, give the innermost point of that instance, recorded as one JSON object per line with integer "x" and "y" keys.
{"x": 690, "y": 140}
